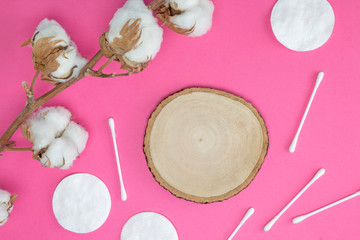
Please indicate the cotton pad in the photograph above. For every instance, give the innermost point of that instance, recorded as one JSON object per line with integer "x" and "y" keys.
{"x": 302, "y": 25}
{"x": 81, "y": 203}
{"x": 148, "y": 226}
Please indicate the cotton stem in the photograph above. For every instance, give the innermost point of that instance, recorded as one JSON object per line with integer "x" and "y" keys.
{"x": 33, "y": 81}
{"x": 17, "y": 149}
{"x": 31, "y": 106}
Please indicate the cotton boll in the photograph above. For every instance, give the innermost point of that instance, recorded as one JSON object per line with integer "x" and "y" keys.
{"x": 77, "y": 134}
{"x": 4, "y": 214}
{"x": 184, "y": 4}
{"x": 47, "y": 124}
{"x": 57, "y": 141}
{"x": 4, "y": 196}
{"x": 199, "y": 17}
{"x": 51, "y": 28}
{"x": 151, "y": 33}
{"x": 6, "y": 205}
{"x": 60, "y": 154}
{"x": 54, "y": 54}
{"x": 71, "y": 64}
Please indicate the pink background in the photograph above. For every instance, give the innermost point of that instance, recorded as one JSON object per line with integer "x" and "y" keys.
{"x": 240, "y": 55}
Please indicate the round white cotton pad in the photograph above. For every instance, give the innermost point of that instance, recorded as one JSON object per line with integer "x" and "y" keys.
{"x": 302, "y": 25}
{"x": 148, "y": 226}
{"x": 81, "y": 203}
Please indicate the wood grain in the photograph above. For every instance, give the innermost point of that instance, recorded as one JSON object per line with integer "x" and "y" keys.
{"x": 205, "y": 145}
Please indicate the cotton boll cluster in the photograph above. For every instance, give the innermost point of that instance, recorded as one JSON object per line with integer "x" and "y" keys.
{"x": 189, "y": 17}
{"x": 54, "y": 54}
{"x": 6, "y": 205}
{"x": 57, "y": 141}
{"x": 134, "y": 37}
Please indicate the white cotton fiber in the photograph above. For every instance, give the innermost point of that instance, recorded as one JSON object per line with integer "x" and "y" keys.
{"x": 184, "y": 4}
{"x": 199, "y": 16}
{"x": 81, "y": 203}
{"x": 61, "y": 153}
{"x": 51, "y": 28}
{"x": 57, "y": 140}
{"x": 5, "y": 206}
{"x": 4, "y": 196}
{"x": 151, "y": 32}
{"x": 70, "y": 61}
{"x": 77, "y": 134}
{"x": 47, "y": 124}
{"x": 302, "y": 25}
{"x": 4, "y": 214}
{"x": 149, "y": 226}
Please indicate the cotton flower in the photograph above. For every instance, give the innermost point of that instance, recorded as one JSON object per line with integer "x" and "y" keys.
{"x": 54, "y": 54}
{"x": 189, "y": 17}
{"x": 134, "y": 37}
{"x": 57, "y": 141}
{"x": 6, "y": 205}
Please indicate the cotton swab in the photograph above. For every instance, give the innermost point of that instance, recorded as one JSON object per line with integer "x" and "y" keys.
{"x": 113, "y": 134}
{"x": 319, "y": 78}
{"x": 316, "y": 177}
{"x": 246, "y": 217}
{"x": 303, "y": 217}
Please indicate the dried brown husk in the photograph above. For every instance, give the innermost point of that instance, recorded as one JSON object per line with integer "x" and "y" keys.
{"x": 26, "y": 132}
{"x": 165, "y": 11}
{"x": 130, "y": 37}
{"x": 133, "y": 66}
{"x": 10, "y": 204}
{"x": 45, "y": 53}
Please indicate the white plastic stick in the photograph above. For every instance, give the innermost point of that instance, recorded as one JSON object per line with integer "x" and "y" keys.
{"x": 246, "y": 217}
{"x": 303, "y": 217}
{"x": 319, "y": 78}
{"x": 316, "y": 177}
{"x": 122, "y": 187}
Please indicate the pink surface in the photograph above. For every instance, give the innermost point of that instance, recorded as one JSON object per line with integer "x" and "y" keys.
{"x": 240, "y": 55}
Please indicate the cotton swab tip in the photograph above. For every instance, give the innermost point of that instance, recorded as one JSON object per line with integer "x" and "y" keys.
{"x": 319, "y": 78}
{"x": 293, "y": 146}
{"x": 247, "y": 215}
{"x": 250, "y": 212}
{"x": 320, "y": 172}
{"x": 269, "y": 225}
{"x": 123, "y": 194}
{"x": 111, "y": 123}
{"x": 298, "y": 219}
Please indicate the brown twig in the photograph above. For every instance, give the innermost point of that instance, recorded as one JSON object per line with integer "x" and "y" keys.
{"x": 33, "y": 81}
{"x": 93, "y": 73}
{"x": 17, "y": 149}
{"x": 33, "y": 104}
{"x": 106, "y": 64}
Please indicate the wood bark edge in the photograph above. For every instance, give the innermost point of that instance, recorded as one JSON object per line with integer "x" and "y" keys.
{"x": 192, "y": 198}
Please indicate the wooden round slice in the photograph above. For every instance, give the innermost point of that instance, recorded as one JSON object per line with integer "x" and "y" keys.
{"x": 205, "y": 145}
